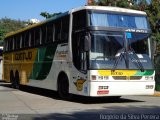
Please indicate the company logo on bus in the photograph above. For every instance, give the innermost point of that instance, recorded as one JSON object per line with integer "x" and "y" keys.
{"x": 79, "y": 84}
{"x": 23, "y": 56}
{"x": 116, "y": 73}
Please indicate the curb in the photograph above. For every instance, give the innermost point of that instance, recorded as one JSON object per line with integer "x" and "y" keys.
{"x": 157, "y": 93}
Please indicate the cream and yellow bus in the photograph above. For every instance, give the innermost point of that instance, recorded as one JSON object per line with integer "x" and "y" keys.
{"x": 90, "y": 51}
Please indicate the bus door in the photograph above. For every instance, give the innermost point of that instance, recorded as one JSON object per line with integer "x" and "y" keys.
{"x": 79, "y": 69}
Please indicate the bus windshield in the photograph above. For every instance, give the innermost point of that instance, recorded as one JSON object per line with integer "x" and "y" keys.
{"x": 107, "y": 46}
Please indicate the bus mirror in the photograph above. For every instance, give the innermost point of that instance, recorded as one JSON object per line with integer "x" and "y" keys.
{"x": 154, "y": 44}
{"x": 87, "y": 44}
{"x": 155, "y": 47}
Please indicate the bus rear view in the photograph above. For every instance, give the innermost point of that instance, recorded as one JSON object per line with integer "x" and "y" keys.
{"x": 112, "y": 48}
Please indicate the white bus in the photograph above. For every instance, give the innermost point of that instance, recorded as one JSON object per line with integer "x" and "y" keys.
{"x": 90, "y": 51}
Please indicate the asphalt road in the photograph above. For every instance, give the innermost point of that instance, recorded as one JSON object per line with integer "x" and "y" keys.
{"x": 38, "y": 104}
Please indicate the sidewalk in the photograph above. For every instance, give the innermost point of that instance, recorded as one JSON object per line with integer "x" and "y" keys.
{"x": 157, "y": 93}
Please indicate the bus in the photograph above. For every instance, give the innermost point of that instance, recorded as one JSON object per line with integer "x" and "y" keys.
{"x": 88, "y": 51}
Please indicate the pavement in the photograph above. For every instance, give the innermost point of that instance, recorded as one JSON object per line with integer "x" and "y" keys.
{"x": 157, "y": 93}
{"x": 31, "y": 103}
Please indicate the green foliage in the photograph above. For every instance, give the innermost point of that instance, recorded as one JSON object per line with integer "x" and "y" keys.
{"x": 123, "y": 4}
{"x": 8, "y": 25}
{"x": 153, "y": 11}
{"x": 119, "y": 3}
{"x": 48, "y": 15}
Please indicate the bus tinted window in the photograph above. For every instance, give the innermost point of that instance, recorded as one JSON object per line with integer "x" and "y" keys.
{"x": 23, "y": 39}
{"x": 43, "y": 29}
{"x": 5, "y": 45}
{"x": 37, "y": 36}
{"x": 17, "y": 40}
{"x": 65, "y": 28}
{"x": 10, "y": 44}
{"x": 79, "y": 20}
{"x": 32, "y": 38}
{"x": 26, "y": 40}
{"x": 58, "y": 30}
{"x": 49, "y": 33}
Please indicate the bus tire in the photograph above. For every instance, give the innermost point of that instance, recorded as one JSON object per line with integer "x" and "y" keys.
{"x": 17, "y": 80}
{"x": 63, "y": 87}
{"x": 12, "y": 79}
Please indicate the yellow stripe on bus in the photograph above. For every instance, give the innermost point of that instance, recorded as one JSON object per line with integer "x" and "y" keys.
{"x": 117, "y": 72}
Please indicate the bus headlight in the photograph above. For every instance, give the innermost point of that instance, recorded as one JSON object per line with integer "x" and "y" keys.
{"x": 96, "y": 77}
{"x": 149, "y": 78}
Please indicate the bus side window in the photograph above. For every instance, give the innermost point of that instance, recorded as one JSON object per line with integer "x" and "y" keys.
{"x": 26, "y": 40}
{"x": 20, "y": 41}
{"x": 58, "y": 30}
{"x": 49, "y": 33}
{"x": 23, "y": 40}
{"x": 53, "y": 32}
{"x": 10, "y": 44}
{"x": 17, "y": 39}
{"x": 65, "y": 28}
{"x": 6, "y": 45}
{"x": 32, "y": 38}
{"x": 79, "y": 20}
{"x": 43, "y": 34}
{"x": 37, "y": 36}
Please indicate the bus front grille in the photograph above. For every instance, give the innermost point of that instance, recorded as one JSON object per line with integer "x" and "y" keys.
{"x": 127, "y": 77}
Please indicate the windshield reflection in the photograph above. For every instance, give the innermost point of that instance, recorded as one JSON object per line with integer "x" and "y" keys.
{"x": 107, "y": 46}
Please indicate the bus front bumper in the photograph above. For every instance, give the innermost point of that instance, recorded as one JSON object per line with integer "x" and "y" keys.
{"x": 114, "y": 88}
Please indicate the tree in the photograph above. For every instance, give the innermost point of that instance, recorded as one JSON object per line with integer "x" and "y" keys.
{"x": 90, "y": 2}
{"x": 8, "y": 25}
{"x": 119, "y": 3}
{"x": 48, "y": 15}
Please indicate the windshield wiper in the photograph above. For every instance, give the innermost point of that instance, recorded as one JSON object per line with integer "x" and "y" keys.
{"x": 139, "y": 64}
{"x": 122, "y": 55}
{"x": 126, "y": 50}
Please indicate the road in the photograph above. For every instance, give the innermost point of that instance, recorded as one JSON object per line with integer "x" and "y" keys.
{"x": 39, "y": 104}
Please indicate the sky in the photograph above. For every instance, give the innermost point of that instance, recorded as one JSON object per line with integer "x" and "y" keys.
{"x": 31, "y": 9}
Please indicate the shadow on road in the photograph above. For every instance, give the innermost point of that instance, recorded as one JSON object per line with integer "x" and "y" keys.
{"x": 109, "y": 113}
{"x": 75, "y": 98}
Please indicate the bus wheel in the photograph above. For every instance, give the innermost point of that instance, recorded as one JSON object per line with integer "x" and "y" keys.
{"x": 12, "y": 79}
{"x": 17, "y": 82}
{"x": 63, "y": 87}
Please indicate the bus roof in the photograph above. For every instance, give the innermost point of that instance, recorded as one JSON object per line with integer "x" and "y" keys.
{"x": 106, "y": 8}
{"x": 110, "y": 9}
{"x": 35, "y": 25}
